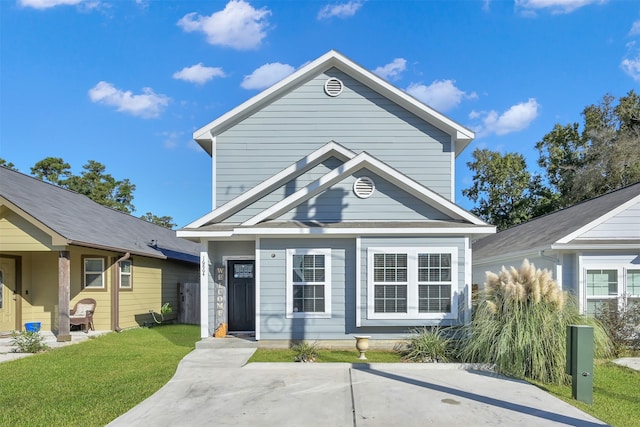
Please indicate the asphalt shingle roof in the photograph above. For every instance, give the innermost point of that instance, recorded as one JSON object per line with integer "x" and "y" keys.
{"x": 86, "y": 223}
{"x": 545, "y": 230}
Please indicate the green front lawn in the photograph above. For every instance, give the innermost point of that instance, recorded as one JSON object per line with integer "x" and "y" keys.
{"x": 616, "y": 395}
{"x": 340, "y": 356}
{"x": 93, "y": 382}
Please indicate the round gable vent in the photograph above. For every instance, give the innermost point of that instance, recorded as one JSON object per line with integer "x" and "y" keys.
{"x": 333, "y": 87}
{"x": 364, "y": 187}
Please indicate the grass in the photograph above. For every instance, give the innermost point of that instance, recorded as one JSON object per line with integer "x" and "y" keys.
{"x": 326, "y": 356}
{"x": 616, "y": 394}
{"x": 93, "y": 382}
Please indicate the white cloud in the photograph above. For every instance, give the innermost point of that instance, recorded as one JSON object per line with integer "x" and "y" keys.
{"x": 48, "y": 4}
{"x": 516, "y": 118}
{"x": 555, "y": 6}
{"x": 342, "y": 10}
{"x": 198, "y": 73}
{"x": 266, "y": 75}
{"x": 635, "y": 28}
{"x": 442, "y": 95}
{"x": 392, "y": 70}
{"x": 147, "y": 105}
{"x": 631, "y": 66}
{"x": 238, "y": 25}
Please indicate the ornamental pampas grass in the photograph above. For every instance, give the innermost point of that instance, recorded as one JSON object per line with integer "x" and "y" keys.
{"x": 520, "y": 325}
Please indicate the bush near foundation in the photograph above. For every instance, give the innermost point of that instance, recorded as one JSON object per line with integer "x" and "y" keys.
{"x": 520, "y": 326}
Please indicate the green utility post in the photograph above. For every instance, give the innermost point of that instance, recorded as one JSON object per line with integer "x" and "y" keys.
{"x": 580, "y": 361}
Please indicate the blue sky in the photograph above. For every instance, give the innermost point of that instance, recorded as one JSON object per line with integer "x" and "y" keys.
{"x": 126, "y": 83}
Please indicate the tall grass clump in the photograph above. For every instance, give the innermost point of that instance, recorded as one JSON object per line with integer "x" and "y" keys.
{"x": 520, "y": 325}
{"x": 426, "y": 345}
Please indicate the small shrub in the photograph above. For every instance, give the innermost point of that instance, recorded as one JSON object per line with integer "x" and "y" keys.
{"x": 305, "y": 352}
{"x": 166, "y": 308}
{"x": 622, "y": 326}
{"x": 426, "y": 345}
{"x": 28, "y": 342}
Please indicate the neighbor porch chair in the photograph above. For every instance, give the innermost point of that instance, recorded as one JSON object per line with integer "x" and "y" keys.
{"x": 82, "y": 314}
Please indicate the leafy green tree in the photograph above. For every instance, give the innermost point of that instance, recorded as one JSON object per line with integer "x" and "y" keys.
{"x": 603, "y": 157}
{"x": 7, "y": 165}
{"x": 504, "y": 191}
{"x": 163, "y": 221}
{"x": 103, "y": 188}
{"x": 93, "y": 182}
{"x": 52, "y": 169}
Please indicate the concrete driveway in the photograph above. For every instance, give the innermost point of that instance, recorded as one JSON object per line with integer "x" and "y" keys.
{"x": 213, "y": 386}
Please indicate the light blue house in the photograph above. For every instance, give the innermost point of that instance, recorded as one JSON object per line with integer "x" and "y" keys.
{"x": 333, "y": 212}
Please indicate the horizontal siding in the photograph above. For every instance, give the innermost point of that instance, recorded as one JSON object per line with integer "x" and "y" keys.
{"x": 305, "y": 119}
{"x": 273, "y": 324}
{"x": 17, "y": 234}
{"x": 625, "y": 225}
{"x": 387, "y": 203}
{"x": 284, "y": 191}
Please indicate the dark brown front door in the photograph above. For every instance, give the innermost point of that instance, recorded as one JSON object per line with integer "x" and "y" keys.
{"x": 242, "y": 295}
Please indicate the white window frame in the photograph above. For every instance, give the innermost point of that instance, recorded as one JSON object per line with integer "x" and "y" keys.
{"x": 622, "y": 297}
{"x": 412, "y": 282}
{"x": 84, "y": 272}
{"x": 130, "y": 274}
{"x": 326, "y": 314}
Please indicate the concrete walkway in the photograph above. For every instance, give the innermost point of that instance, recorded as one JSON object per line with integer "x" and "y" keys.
{"x": 213, "y": 386}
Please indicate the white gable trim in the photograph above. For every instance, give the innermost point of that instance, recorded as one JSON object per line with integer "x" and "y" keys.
{"x": 461, "y": 135}
{"x": 364, "y": 160}
{"x": 598, "y": 221}
{"x": 332, "y": 148}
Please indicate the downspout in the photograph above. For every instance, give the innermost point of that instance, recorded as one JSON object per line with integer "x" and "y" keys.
{"x": 116, "y": 293}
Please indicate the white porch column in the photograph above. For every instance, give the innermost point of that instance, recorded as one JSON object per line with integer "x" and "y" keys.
{"x": 204, "y": 288}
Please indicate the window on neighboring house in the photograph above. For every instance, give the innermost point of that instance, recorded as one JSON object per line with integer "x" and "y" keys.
{"x": 125, "y": 274}
{"x": 619, "y": 286}
{"x": 411, "y": 283}
{"x": 602, "y": 288}
{"x": 633, "y": 286}
{"x": 93, "y": 272}
{"x": 308, "y": 282}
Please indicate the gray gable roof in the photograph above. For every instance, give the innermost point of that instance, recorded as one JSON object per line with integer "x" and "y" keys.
{"x": 542, "y": 232}
{"x": 84, "y": 222}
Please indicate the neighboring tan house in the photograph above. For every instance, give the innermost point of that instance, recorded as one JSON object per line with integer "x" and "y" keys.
{"x": 57, "y": 247}
{"x": 333, "y": 212}
{"x": 592, "y": 248}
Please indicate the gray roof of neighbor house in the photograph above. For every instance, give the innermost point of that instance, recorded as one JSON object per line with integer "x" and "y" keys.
{"x": 542, "y": 232}
{"x": 83, "y": 222}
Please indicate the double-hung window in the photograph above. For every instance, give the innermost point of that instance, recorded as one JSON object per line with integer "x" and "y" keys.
{"x": 309, "y": 283}
{"x": 93, "y": 272}
{"x": 411, "y": 283}
{"x": 125, "y": 274}
{"x": 614, "y": 285}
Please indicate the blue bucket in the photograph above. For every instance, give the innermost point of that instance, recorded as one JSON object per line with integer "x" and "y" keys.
{"x": 32, "y": 326}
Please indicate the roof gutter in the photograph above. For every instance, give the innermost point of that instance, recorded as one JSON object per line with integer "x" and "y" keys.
{"x": 116, "y": 293}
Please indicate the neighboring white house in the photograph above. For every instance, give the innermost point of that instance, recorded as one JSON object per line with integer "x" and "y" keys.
{"x": 592, "y": 248}
{"x": 333, "y": 211}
